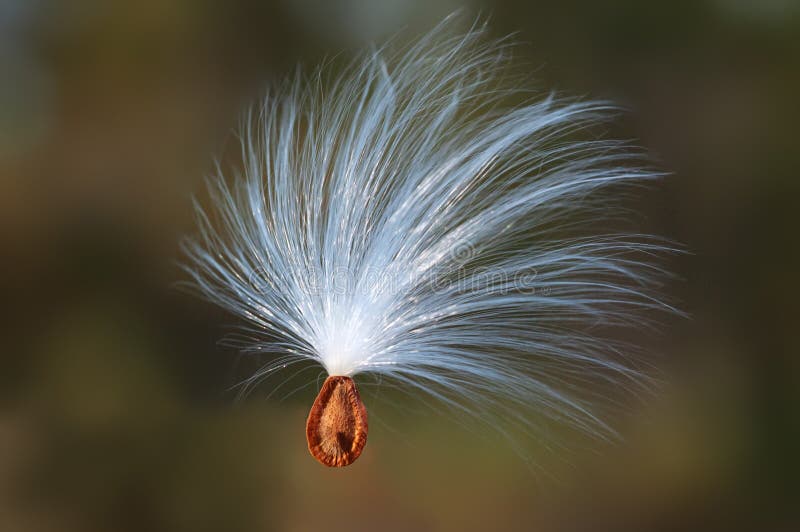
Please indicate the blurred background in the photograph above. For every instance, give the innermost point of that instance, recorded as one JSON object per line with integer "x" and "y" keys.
{"x": 115, "y": 409}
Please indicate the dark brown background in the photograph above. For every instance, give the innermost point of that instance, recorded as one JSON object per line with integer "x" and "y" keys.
{"x": 114, "y": 409}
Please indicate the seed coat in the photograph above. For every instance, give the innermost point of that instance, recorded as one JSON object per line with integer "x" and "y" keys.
{"x": 336, "y": 429}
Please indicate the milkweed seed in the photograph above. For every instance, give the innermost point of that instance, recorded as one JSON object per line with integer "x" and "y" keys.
{"x": 337, "y": 423}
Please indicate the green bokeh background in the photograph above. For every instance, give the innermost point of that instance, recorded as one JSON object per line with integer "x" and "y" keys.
{"x": 115, "y": 412}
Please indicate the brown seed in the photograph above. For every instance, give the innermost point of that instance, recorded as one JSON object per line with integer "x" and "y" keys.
{"x": 337, "y": 424}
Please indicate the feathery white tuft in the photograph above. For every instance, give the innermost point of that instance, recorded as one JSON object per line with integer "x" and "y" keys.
{"x": 400, "y": 220}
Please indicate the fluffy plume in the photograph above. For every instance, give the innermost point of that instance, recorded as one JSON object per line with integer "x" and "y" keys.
{"x": 400, "y": 219}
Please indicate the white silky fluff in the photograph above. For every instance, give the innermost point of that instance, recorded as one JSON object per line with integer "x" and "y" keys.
{"x": 400, "y": 219}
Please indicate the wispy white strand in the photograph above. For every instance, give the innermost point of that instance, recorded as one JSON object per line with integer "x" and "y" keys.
{"x": 400, "y": 220}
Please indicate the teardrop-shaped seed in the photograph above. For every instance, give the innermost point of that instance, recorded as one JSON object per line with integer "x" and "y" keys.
{"x": 337, "y": 424}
